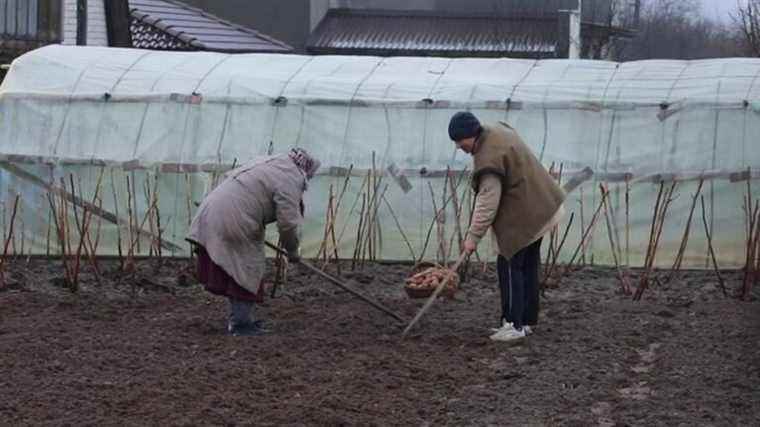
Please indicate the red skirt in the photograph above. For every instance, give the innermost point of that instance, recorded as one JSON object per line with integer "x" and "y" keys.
{"x": 218, "y": 282}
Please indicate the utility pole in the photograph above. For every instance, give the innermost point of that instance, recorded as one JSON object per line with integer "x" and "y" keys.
{"x": 576, "y": 45}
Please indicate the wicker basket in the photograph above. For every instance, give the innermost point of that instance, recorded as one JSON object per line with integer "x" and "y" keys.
{"x": 449, "y": 291}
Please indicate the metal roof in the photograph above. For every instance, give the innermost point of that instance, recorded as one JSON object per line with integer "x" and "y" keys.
{"x": 375, "y": 32}
{"x": 171, "y": 25}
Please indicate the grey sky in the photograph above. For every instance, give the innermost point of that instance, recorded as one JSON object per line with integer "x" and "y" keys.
{"x": 718, "y": 8}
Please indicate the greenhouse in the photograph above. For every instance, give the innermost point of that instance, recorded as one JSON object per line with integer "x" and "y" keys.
{"x": 138, "y": 137}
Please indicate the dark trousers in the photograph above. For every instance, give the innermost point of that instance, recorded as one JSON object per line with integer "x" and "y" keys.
{"x": 518, "y": 284}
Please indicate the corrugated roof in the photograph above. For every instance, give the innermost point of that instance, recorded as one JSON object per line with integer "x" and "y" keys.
{"x": 167, "y": 24}
{"x": 376, "y": 32}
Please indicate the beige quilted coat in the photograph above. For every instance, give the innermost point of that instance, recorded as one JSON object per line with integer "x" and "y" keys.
{"x": 230, "y": 221}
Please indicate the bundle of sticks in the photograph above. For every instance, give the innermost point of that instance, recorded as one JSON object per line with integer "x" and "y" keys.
{"x": 431, "y": 277}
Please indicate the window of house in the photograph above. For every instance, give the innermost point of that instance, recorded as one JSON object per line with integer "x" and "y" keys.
{"x": 38, "y": 20}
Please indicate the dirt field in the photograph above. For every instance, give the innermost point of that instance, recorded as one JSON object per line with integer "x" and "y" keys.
{"x": 155, "y": 353}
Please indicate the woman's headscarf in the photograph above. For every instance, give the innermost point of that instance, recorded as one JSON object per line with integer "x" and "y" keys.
{"x": 308, "y": 164}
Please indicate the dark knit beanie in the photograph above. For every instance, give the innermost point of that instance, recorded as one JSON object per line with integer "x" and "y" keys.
{"x": 463, "y": 125}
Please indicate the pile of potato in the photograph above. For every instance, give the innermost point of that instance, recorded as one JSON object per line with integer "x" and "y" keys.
{"x": 431, "y": 277}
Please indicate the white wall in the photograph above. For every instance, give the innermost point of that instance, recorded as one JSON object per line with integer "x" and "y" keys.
{"x": 96, "y": 23}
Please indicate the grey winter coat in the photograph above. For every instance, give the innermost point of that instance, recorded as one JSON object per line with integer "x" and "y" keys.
{"x": 231, "y": 220}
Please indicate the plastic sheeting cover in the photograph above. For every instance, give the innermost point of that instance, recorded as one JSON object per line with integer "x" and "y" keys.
{"x": 73, "y": 106}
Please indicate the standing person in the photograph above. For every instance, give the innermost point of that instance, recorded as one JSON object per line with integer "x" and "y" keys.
{"x": 520, "y": 202}
{"x": 228, "y": 230}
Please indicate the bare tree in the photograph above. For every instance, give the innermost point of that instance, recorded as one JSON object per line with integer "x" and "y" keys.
{"x": 676, "y": 29}
{"x": 598, "y": 47}
{"x": 747, "y": 17}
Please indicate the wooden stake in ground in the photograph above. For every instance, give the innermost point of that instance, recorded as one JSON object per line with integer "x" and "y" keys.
{"x": 139, "y": 228}
{"x": 88, "y": 252}
{"x": 753, "y": 240}
{"x": 157, "y": 211}
{"x": 582, "y": 243}
{"x": 438, "y": 218}
{"x": 329, "y": 235}
{"x": 359, "y": 196}
{"x": 400, "y": 229}
{"x": 365, "y": 239}
{"x": 627, "y": 222}
{"x": 471, "y": 209}
{"x": 583, "y": 225}
{"x": 747, "y": 288}
{"x": 371, "y": 229}
{"x": 134, "y": 211}
{"x": 552, "y": 233}
{"x": 334, "y": 216}
{"x": 8, "y": 240}
{"x": 685, "y": 239}
{"x": 83, "y": 231}
{"x": 621, "y": 276}
{"x": 644, "y": 281}
{"x": 550, "y": 270}
{"x": 371, "y": 248}
{"x": 86, "y": 216}
{"x": 60, "y": 228}
{"x": 710, "y": 248}
{"x": 22, "y": 230}
{"x": 435, "y": 218}
{"x": 5, "y": 214}
{"x": 65, "y": 217}
{"x": 189, "y": 199}
{"x": 322, "y": 253}
{"x": 431, "y": 298}
{"x": 358, "y": 246}
{"x": 750, "y": 268}
{"x": 129, "y": 265}
{"x": 118, "y": 228}
{"x": 151, "y": 222}
{"x": 658, "y": 221}
{"x": 374, "y": 223}
{"x": 61, "y": 191}
{"x": 441, "y": 228}
{"x": 49, "y": 226}
{"x": 98, "y": 228}
{"x": 458, "y": 205}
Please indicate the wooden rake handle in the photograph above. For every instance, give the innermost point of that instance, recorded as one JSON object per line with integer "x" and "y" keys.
{"x": 341, "y": 285}
{"x": 431, "y": 298}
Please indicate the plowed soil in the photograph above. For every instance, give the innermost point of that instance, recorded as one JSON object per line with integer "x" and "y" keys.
{"x": 150, "y": 349}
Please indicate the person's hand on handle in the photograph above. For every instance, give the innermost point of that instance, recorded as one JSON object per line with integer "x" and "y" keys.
{"x": 469, "y": 247}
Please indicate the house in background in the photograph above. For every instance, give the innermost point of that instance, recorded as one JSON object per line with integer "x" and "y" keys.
{"x": 147, "y": 24}
{"x": 485, "y": 28}
{"x": 288, "y": 20}
{"x": 452, "y": 34}
{"x": 29, "y": 24}
{"x": 173, "y": 25}
{"x": 475, "y": 28}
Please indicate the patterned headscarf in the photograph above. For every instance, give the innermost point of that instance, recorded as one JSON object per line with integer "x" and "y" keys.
{"x": 308, "y": 164}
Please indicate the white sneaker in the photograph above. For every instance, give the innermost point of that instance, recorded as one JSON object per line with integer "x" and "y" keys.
{"x": 504, "y": 324}
{"x": 508, "y": 325}
{"x": 508, "y": 334}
